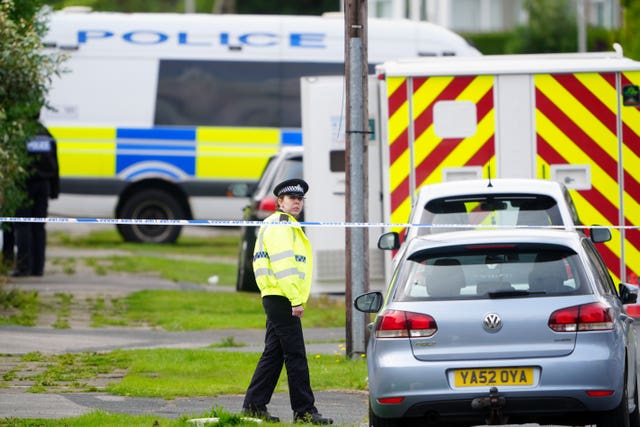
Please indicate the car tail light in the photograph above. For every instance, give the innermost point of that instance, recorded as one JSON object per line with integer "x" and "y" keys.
{"x": 391, "y": 400}
{"x": 404, "y": 324}
{"x": 266, "y": 207}
{"x": 600, "y": 393}
{"x": 582, "y": 318}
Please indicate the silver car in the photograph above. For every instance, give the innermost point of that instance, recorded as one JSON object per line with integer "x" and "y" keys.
{"x": 482, "y": 203}
{"x": 502, "y": 326}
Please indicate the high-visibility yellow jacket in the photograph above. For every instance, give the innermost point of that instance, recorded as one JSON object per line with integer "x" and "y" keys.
{"x": 282, "y": 259}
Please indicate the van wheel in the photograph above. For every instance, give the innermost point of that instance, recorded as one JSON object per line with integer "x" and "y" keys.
{"x": 151, "y": 204}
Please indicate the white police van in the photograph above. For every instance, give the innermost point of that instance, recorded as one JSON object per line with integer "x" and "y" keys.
{"x": 158, "y": 114}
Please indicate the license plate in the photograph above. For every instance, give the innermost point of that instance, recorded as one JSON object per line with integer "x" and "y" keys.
{"x": 493, "y": 377}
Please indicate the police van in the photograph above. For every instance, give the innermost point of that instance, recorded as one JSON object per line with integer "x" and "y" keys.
{"x": 157, "y": 115}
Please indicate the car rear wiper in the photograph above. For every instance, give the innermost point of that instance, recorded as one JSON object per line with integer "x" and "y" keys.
{"x": 513, "y": 293}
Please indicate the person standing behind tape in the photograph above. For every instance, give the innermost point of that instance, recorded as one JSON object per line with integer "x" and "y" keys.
{"x": 42, "y": 184}
{"x": 282, "y": 263}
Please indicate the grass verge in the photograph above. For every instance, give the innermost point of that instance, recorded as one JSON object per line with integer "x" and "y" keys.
{"x": 198, "y": 310}
{"x": 223, "y": 245}
{"x": 18, "y": 307}
{"x": 171, "y": 310}
{"x": 105, "y": 419}
{"x": 176, "y": 270}
{"x": 170, "y": 373}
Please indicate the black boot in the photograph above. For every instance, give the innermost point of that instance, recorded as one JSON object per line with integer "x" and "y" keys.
{"x": 311, "y": 418}
{"x": 262, "y": 414}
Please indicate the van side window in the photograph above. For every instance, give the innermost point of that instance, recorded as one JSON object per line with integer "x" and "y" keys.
{"x": 233, "y": 93}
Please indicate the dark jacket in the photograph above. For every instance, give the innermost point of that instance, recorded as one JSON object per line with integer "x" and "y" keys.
{"x": 43, "y": 151}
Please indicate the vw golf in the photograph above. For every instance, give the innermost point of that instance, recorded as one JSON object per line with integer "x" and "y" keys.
{"x": 502, "y": 326}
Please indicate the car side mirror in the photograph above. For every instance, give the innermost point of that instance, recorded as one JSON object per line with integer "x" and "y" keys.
{"x": 628, "y": 293}
{"x": 600, "y": 234}
{"x": 370, "y": 302}
{"x": 238, "y": 190}
{"x": 389, "y": 241}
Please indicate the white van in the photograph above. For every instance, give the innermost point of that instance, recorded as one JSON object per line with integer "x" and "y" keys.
{"x": 159, "y": 113}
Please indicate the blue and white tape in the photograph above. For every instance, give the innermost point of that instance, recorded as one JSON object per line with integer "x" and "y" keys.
{"x": 241, "y": 223}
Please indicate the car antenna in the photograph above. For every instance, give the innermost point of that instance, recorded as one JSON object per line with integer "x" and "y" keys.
{"x": 489, "y": 172}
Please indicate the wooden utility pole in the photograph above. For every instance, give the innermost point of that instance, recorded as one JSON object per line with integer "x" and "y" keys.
{"x": 357, "y": 129}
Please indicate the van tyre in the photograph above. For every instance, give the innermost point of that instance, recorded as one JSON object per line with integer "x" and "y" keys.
{"x": 151, "y": 204}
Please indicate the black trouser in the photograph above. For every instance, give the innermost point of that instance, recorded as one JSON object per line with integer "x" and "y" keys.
{"x": 8, "y": 243}
{"x": 31, "y": 237}
{"x": 283, "y": 344}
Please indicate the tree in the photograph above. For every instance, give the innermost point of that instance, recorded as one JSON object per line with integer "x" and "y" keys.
{"x": 630, "y": 27}
{"x": 25, "y": 74}
{"x": 298, "y": 7}
{"x": 551, "y": 28}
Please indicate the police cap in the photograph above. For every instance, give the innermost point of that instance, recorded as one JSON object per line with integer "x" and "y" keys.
{"x": 292, "y": 187}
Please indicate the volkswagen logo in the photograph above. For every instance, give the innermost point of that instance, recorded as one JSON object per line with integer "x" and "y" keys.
{"x": 492, "y": 322}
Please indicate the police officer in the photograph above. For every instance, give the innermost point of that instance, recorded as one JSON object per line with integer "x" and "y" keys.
{"x": 282, "y": 263}
{"x": 42, "y": 184}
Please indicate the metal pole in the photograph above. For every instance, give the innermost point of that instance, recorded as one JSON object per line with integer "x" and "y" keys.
{"x": 357, "y": 241}
{"x": 621, "y": 185}
{"x": 582, "y": 25}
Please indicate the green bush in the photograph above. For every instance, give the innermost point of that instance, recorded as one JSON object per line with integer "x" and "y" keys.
{"x": 489, "y": 43}
{"x": 25, "y": 73}
{"x": 601, "y": 39}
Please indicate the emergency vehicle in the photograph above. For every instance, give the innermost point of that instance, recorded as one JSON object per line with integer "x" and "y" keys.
{"x": 157, "y": 115}
{"x": 572, "y": 118}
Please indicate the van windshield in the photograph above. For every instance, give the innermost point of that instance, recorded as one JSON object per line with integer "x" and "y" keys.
{"x": 473, "y": 211}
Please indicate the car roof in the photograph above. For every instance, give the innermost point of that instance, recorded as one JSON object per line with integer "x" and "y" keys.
{"x": 562, "y": 237}
{"x": 286, "y": 150}
{"x": 488, "y": 186}
{"x": 553, "y": 189}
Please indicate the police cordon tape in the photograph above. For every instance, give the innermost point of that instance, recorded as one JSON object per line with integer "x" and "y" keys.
{"x": 326, "y": 224}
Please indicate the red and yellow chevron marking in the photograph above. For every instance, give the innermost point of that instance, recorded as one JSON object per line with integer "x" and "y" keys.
{"x": 432, "y": 153}
{"x": 576, "y": 123}
{"x": 631, "y": 162}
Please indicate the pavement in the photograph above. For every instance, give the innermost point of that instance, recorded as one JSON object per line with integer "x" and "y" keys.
{"x": 345, "y": 407}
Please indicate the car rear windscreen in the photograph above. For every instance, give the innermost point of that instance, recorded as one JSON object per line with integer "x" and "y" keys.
{"x": 492, "y": 271}
{"x": 469, "y": 212}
